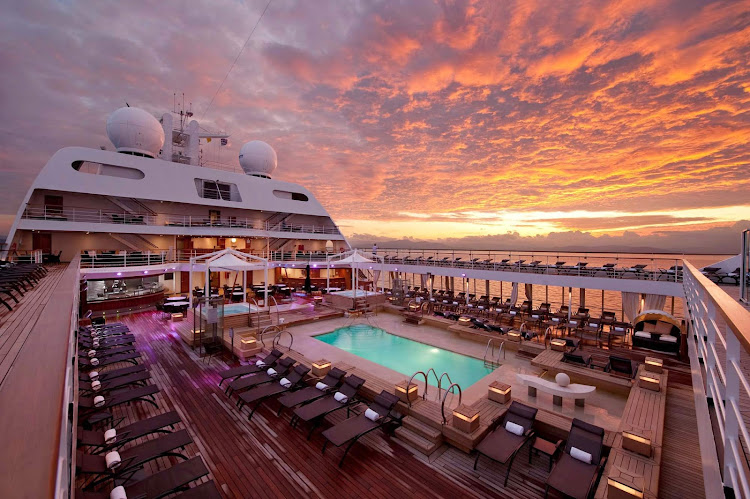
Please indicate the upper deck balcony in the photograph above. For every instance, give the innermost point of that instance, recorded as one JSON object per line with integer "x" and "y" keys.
{"x": 71, "y": 218}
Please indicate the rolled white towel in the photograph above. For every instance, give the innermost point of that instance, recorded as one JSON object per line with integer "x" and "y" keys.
{"x": 260, "y": 363}
{"x": 110, "y": 435}
{"x": 455, "y": 303}
{"x": 271, "y": 371}
{"x": 94, "y": 375}
{"x": 372, "y": 415}
{"x": 113, "y": 459}
{"x": 285, "y": 382}
{"x": 94, "y": 361}
{"x": 99, "y": 401}
{"x": 581, "y": 455}
{"x": 118, "y": 493}
{"x": 340, "y": 397}
{"x": 321, "y": 386}
{"x": 92, "y": 353}
{"x": 96, "y": 385}
{"x": 95, "y": 343}
{"x": 514, "y": 428}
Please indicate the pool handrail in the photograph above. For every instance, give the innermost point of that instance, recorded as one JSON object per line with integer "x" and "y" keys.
{"x": 267, "y": 329}
{"x": 277, "y": 339}
{"x": 257, "y": 313}
{"x": 442, "y": 405}
{"x": 276, "y": 304}
{"x": 445, "y": 373}
{"x": 434, "y": 373}
{"x": 426, "y": 384}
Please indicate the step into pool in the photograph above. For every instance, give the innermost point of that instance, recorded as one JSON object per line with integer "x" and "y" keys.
{"x": 406, "y": 356}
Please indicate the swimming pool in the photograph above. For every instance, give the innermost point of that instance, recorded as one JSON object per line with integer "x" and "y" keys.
{"x": 406, "y": 356}
{"x": 238, "y": 308}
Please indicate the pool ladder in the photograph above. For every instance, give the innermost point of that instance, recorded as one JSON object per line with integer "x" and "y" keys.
{"x": 490, "y": 359}
{"x": 426, "y": 382}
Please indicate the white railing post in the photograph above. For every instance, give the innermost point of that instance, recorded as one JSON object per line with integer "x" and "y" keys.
{"x": 732, "y": 396}
{"x": 709, "y": 335}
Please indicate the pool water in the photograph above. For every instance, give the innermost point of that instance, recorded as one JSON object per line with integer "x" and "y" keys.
{"x": 406, "y": 356}
{"x": 238, "y": 308}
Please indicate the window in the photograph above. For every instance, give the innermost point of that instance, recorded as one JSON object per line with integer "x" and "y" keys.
{"x": 93, "y": 168}
{"x": 294, "y": 196}
{"x": 213, "y": 189}
{"x": 53, "y": 205}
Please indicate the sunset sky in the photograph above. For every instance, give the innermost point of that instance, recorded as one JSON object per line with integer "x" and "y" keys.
{"x": 574, "y": 123}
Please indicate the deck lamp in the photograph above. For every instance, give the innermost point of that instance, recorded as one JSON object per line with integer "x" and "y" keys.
{"x": 499, "y": 392}
{"x": 248, "y": 342}
{"x": 654, "y": 365}
{"x": 409, "y": 394}
{"x": 617, "y": 488}
{"x": 514, "y": 336}
{"x": 465, "y": 418}
{"x": 636, "y": 443}
{"x": 321, "y": 367}
{"x": 464, "y": 320}
{"x": 558, "y": 344}
{"x": 649, "y": 381}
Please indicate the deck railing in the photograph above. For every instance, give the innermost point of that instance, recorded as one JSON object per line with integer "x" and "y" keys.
{"x": 573, "y": 264}
{"x": 88, "y": 215}
{"x": 720, "y": 329}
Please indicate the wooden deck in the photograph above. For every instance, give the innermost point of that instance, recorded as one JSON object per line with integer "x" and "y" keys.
{"x": 266, "y": 457}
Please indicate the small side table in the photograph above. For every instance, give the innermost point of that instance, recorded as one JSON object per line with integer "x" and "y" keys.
{"x": 545, "y": 447}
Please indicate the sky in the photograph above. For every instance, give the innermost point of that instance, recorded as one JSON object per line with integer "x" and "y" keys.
{"x": 588, "y": 125}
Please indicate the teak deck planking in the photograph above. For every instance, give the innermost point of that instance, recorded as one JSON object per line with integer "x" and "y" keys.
{"x": 266, "y": 457}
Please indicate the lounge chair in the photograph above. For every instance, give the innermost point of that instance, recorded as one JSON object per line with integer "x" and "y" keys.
{"x": 87, "y": 363}
{"x": 133, "y": 431}
{"x": 144, "y": 393}
{"x": 259, "y": 394}
{"x": 621, "y": 366}
{"x": 237, "y": 372}
{"x": 315, "y": 411}
{"x": 205, "y": 490}
{"x": 573, "y": 476}
{"x": 282, "y": 367}
{"x": 132, "y": 457}
{"x": 580, "y": 359}
{"x": 103, "y": 352}
{"x": 159, "y": 484}
{"x": 506, "y": 439}
{"x": 125, "y": 339}
{"x": 352, "y": 429}
{"x": 114, "y": 373}
{"x": 101, "y": 387}
{"x": 332, "y": 380}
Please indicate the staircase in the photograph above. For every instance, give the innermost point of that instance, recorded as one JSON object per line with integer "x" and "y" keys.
{"x": 134, "y": 241}
{"x": 261, "y": 319}
{"x": 131, "y": 205}
{"x": 360, "y": 305}
{"x": 420, "y": 436}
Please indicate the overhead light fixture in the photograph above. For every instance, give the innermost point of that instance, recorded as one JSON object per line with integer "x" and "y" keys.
{"x": 234, "y": 240}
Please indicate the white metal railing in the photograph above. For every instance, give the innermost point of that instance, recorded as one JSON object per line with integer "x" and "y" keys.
{"x": 573, "y": 264}
{"x": 745, "y": 267}
{"x": 88, "y": 215}
{"x": 721, "y": 331}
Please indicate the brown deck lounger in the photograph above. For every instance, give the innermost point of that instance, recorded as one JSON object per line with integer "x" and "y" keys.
{"x": 282, "y": 367}
{"x": 621, "y": 366}
{"x": 138, "y": 429}
{"x": 239, "y": 371}
{"x": 352, "y": 429}
{"x": 145, "y": 393}
{"x": 571, "y": 476}
{"x": 126, "y": 339}
{"x": 86, "y": 363}
{"x": 159, "y": 484}
{"x": 114, "y": 373}
{"x": 502, "y": 445}
{"x": 315, "y": 411}
{"x": 261, "y": 393}
{"x": 106, "y": 351}
{"x": 580, "y": 359}
{"x": 138, "y": 378}
{"x": 332, "y": 380}
{"x": 205, "y": 490}
{"x": 132, "y": 457}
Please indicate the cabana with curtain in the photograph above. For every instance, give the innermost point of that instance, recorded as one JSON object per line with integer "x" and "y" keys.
{"x": 228, "y": 260}
{"x": 356, "y": 261}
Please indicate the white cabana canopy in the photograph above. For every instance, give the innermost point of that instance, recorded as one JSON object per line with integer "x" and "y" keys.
{"x": 356, "y": 260}
{"x": 228, "y": 260}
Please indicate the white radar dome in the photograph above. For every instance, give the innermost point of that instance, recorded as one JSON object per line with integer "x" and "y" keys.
{"x": 258, "y": 158}
{"x": 133, "y": 130}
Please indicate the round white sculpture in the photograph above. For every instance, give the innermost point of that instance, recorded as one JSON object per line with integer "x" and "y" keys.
{"x": 562, "y": 379}
{"x": 134, "y": 130}
{"x": 258, "y": 158}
